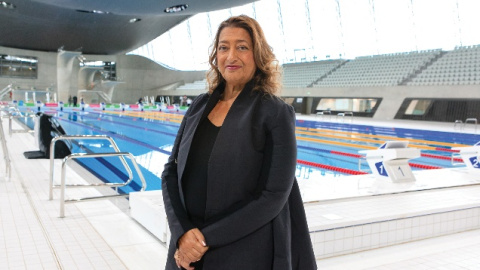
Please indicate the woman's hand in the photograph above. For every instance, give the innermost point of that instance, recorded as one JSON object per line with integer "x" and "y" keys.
{"x": 192, "y": 245}
{"x": 180, "y": 260}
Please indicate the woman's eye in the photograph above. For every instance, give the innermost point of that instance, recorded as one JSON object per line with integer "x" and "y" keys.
{"x": 222, "y": 48}
{"x": 242, "y": 48}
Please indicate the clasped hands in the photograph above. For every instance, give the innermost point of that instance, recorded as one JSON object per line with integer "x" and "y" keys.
{"x": 191, "y": 248}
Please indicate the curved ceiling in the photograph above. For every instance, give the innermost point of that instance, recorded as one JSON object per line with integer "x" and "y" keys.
{"x": 93, "y": 26}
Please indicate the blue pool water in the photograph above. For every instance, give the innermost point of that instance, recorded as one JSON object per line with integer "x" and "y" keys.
{"x": 335, "y": 146}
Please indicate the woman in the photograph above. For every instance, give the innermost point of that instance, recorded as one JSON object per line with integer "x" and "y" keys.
{"x": 229, "y": 189}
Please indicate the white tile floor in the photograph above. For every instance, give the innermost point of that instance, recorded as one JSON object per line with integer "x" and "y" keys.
{"x": 93, "y": 235}
{"x": 101, "y": 234}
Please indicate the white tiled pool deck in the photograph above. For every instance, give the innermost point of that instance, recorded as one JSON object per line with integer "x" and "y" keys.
{"x": 360, "y": 227}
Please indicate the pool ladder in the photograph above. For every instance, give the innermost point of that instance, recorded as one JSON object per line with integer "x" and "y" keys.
{"x": 63, "y": 184}
{"x": 13, "y": 113}
{"x": 7, "y": 113}
{"x": 462, "y": 125}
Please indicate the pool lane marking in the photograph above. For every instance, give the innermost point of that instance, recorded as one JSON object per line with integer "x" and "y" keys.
{"x": 122, "y": 124}
{"x": 334, "y": 152}
{"x": 177, "y": 118}
{"x": 115, "y": 135}
{"x": 334, "y": 142}
{"x": 358, "y": 145}
{"x": 124, "y": 137}
{"x": 330, "y": 167}
{"x": 379, "y": 136}
{"x": 319, "y": 165}
{"x": 328, "y": 136}
{"x": 313, "y": 132}
{"x": 130, "y": 125}
{"x": 162, "y": 116}
{"x": 338, "y": 137}
{"x": 372, "y": 136}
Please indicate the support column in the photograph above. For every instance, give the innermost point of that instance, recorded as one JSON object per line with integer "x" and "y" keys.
{"x": 307, "y": 105}
{"x": 66, "y": 84}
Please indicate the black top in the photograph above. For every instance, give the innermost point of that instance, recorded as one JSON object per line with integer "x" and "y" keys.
{"x": 194, "y": 182}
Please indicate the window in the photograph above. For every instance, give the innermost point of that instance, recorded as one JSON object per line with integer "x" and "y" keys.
{"x": 18, "y": 66}
{"x": 309, "y": 30}
{"x": 359, "y": 105}
{"x": 109, "y": 69}
{"x": 418, "y": 106}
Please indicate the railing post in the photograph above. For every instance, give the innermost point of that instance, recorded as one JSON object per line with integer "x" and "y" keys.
{"x": 62, "y": 188}
{"x": 6, "y": 155}
{"x": 139, "y": 172}
{"x": 10, "y": 125}
{"x": 52, "y": 158}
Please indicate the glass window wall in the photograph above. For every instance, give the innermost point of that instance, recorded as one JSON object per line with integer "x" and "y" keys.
{"x": 308, "y": 30}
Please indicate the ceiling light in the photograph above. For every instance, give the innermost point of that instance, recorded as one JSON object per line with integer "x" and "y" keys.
{"x": 7, "y": 5}
{"x": 176, "y": 8}
{"x": 134, "y": 20}
{"x": 93, "y": 11}
{"x": 99, "y": 12}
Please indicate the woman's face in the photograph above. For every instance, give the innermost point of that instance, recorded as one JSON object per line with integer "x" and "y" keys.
{"x": 235, "y": 56}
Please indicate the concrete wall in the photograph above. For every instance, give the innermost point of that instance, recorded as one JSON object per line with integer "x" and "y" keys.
{"x": 392, "y": 96}
{"x": 140, "y": 76}
{"x": 47, "y": 70}
{"x": 144, "y": 77}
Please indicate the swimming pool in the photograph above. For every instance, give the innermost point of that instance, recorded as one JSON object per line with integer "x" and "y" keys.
{"x": 324, "y": 148}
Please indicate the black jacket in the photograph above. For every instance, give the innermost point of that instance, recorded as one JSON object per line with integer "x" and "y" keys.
{"x": 254, "y": 211}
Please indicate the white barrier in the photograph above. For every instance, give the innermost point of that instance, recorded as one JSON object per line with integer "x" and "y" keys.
{"x": 147, "y": 208}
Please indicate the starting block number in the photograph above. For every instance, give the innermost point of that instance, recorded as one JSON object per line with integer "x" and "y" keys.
{"x": 397, "y": 171}
{"x": 474, "y": 162}
{"x": 401, "y": 172}
{"x": 381, "y": 168}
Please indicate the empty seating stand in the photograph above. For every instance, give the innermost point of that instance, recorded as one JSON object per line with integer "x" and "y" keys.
{"x": 457, "y": 67}
{"x": 378, "y": 70}
{"x": 429, "y": 67}
{"x": 196, "y": 85}
{"x": 305, "y": 74}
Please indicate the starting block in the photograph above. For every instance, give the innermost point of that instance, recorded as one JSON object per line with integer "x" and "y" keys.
{"x": 469, "y": 155}
{"x": 390, "y": 161}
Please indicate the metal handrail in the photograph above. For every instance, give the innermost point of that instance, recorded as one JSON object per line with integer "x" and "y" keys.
{"x": 343, "y": 115}
{"x": 360, "y": 163}
{"x": 471, "y": 120}
{"x": 93, "y": 155}
{"x": 6, "y": 156}
{"x": 86, "y": 137}
{"x": 458, "y": 122}
{"x": 11, "y": 110}
{"x": 325, "y": 113}
{"x": 5, "y": 90}
{"x": 457, "y": 155}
